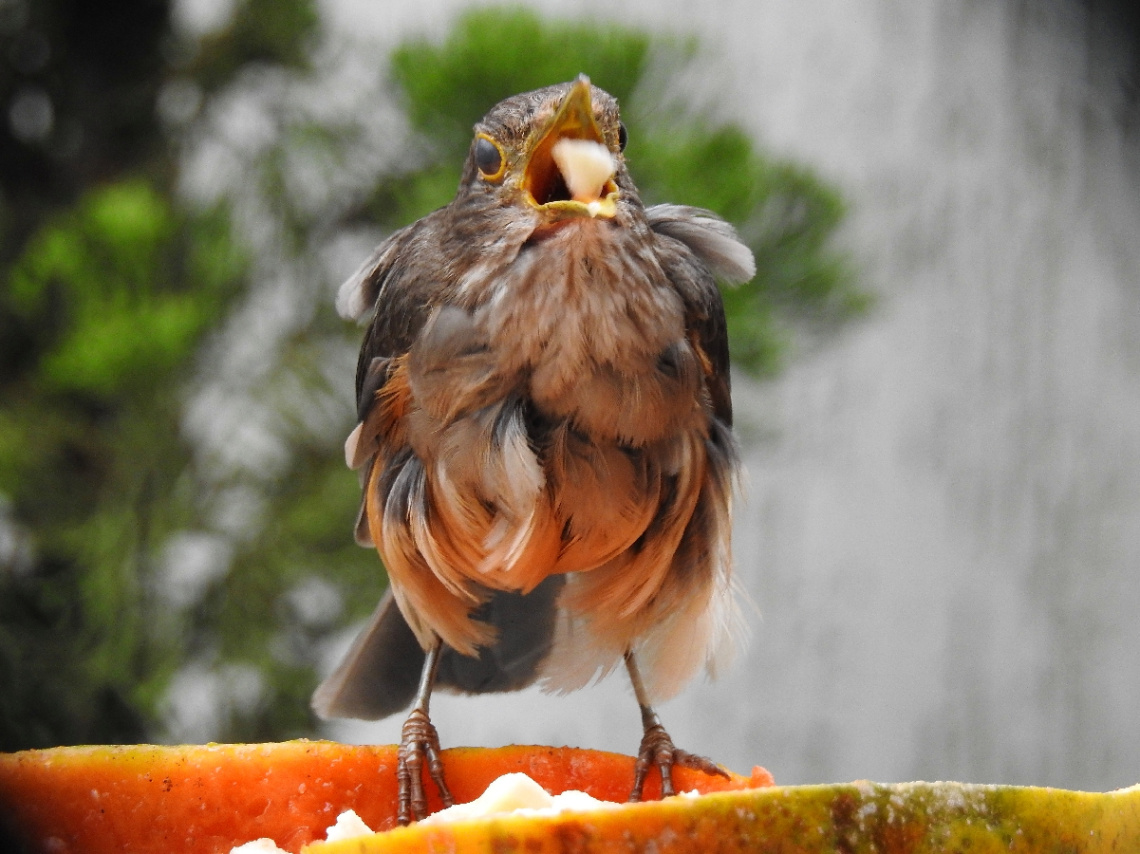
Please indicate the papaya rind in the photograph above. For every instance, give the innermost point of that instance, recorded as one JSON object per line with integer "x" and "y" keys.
{"x": 908, "y": 818}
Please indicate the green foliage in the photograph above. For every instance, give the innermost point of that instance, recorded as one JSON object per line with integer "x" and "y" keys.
{"x": 494, "y": 53}
{"x": 127, "y": 289}
{"x": 265, "y": 32}
{"x": 117, "y": 295}
{"x": 263, "y": 612}
{"x": 50, "y": 696}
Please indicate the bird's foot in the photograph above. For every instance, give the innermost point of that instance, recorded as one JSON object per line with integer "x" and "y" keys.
{"x": 419, "y": 741}
{"x": 657, "y": 748}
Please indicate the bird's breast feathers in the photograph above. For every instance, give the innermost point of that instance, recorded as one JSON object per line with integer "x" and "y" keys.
{"x": 592, "y": 331}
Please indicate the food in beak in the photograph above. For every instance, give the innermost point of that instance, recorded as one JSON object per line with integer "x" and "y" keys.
{"x": 585, "y": 165}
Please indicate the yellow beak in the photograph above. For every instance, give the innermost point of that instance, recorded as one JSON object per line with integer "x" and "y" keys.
{"x": 569, "y": 172}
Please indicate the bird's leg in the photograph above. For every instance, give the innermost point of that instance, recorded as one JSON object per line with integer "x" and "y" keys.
{"x": 419, "y": 740}
{"x": 657, "y": 747}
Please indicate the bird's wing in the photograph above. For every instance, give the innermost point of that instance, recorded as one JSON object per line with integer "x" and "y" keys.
{"x": 395, "y": 288}
{"x": 694, "y": 248}
{"x": 379, "y": 674}
{"x": 710, "y": 238}
{"x": 713, "y": 247}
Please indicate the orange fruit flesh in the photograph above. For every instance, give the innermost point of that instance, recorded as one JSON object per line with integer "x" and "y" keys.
{"x": 209, "y": 798}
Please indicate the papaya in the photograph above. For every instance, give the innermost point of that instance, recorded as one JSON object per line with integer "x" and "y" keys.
{"x": 855, "y": 818}
{"x": 208, "y": 798}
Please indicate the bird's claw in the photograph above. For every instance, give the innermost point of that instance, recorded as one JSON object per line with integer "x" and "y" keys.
{"x": 657, "y": 748}
{"x": 418, "y": 740}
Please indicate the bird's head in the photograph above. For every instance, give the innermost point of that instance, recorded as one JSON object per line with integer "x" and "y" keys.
{"x": 555, "y": 153}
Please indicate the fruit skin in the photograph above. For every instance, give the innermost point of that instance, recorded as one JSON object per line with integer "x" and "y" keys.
{"x": 207, "y": 798}
{"x": 910, "y": 818}
{"x": 203, "y": 799}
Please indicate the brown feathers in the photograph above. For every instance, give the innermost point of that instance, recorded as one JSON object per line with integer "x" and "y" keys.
{"x": 543, "y": 392}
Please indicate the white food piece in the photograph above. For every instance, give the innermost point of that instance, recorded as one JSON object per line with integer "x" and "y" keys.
{"x": 258, "y": 846}
{"x": 585, "y": 166}
{"x": 514, "y": 794}
{"x": 517, "y": 794}
{"x": 348, "y": 826}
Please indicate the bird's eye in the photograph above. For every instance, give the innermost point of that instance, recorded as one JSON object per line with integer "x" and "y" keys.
{"x": 623, "y": 136}
{"x": 488, "y": 157}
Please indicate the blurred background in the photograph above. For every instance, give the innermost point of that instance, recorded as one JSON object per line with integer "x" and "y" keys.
{"x": 936, "y": 373}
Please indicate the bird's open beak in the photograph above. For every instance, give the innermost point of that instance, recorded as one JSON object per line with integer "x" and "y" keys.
{"x": 570, "y": 170}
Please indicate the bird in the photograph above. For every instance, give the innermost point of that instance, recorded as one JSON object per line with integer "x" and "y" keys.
{"x": 544, "y": 437}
